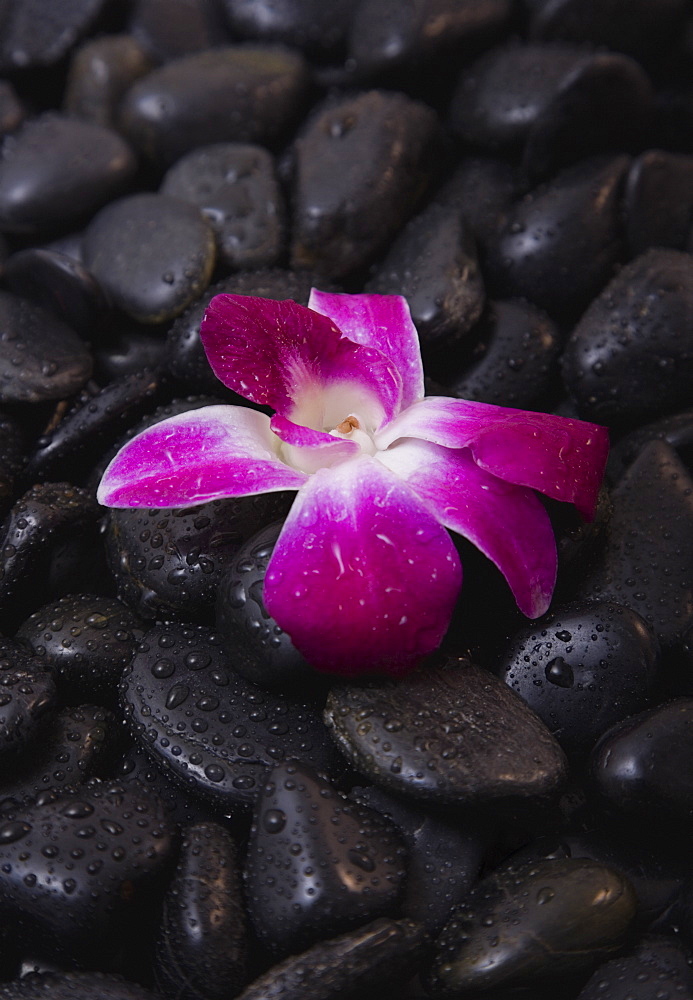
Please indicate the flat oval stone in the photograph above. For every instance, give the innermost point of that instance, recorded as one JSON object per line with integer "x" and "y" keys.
{"x": 169, "y": 28}
{"x": 630, "y": 357}
{"x": 201, "y": 948}
{"x": 658, "y": 201}
{"x": 12, "y": 111}
{"x": 434, "y": 263}
{"x": 41, "y": 358}
{"x": 317, "y": 864}
{"x": 153, "y": 255}
{"x": 361, "y": 164}
{"x": 27, "y": 696}
{"x": 577, "y": 910}
{"x": 582, "y": 668}
{"x": 309, "y": 24}
{"x": 453, "y": 735}
{"x": 73, "y": 986}
{"x": 513, "y": 361}
{"x": 235, "y": 187}
{"x": 483, "y": 190}
{"x": 642, "y": 766}
{"x": 88, "y": 165}
{"x": 231, "y": 94}
{"x": 101, "y": 72}
{"x": 210, "y": 728}
{"x": 130, "y": 348}
{"x": 659, "y": 971}
{"x": 35, "y": 34}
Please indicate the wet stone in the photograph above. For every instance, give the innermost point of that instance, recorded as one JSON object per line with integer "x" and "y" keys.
{"x": 71, "y": 747}
{"x": 85, "y": 641}
{"x": 646, "y": 559}
{"x": 562, "y": 240}
{"x": 676, "y": 430}
{"x": 642, "y": 766}
{"x": 236, "y": 189}
{"x": 201, "y": 949}
{"x": 130, "y": 348}
{"x": 101, "y": 72}
{"x": 11, "y": 108}
{"x": 73, "y": 986}
{"x": 27, "y": 696}
{"x": 582, "y": 668}
{"x": 153, "y": 255}
{"x": 656, "y": 972}
{"x": 37, "y": 34}
{"x": 169, "y": 562}
{"x": 509, "y": 359}
{"x": 41, "y": 358}
{"x": 361, "y": 165}
{"x": 483, "y": 190}
{"x": 62, "y": 882}
{"x": 231, "y": 94}
{"x": 434, "y": 263}
{"x": 309, "y": 24}
{"x": 454, "y": 735}
{"x": 317, "y": 864}
{"x": 630, "y": 357}
{"x": 658, "y": 201}
{"x": 11, "y": 459}
{"x": 181, "y": 809}
{"x": 88, "y": 165}
{"x": 171, "y": 28}
{"x": 577, "y": 910}
{"x": 262, "y": 652}
{"x": 208, "y": 726}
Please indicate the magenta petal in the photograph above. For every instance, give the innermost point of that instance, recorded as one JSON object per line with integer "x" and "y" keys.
{"x": 363, "y": 578}
{"x": 507, "y": 523}
{"x": 280, "y": 354}
{"x": 200, "y": 455}
{"x": 559, "y": 456}
{"x": 380, "y": 321}
{"x": 308, "y": 449}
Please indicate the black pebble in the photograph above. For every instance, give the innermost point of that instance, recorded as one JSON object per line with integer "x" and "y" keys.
{"x": 168, "y": 28}
{"x": 658, "y": 971}
{"x": 310, "y": 24}
{"x": 101, "y": 72}
{"x": 317, "y": 864}
{"x": 153, "y": 255}
{"x": 658, "y": 201}
{"x": 27, "y": 695}
{"x": 35, "y": 34}
{"x": 74, "y": 986}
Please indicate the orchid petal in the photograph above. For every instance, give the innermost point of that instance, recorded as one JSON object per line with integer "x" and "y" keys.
{"x": 560, "y": 457}
{"x": 310, "y": 450}
{"x": 283, "y": 355}
{"x": 362, "y": 577}
{"x": 507, "y": 523}
{"x": 381, "y": 321}
{"x": 196, "y": 456}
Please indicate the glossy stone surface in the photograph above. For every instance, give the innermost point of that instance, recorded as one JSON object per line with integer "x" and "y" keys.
{"x": 101, "y": 72}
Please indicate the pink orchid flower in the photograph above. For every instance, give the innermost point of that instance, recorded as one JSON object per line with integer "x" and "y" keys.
{"x": 364, "y": 575}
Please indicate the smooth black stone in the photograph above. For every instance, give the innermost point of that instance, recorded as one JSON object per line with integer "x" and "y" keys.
{"x": 676, "y": 430}
{"x": 86, "y": 641}
{"x": 201, "y": 949}
{"x": 11, "y": 459}
{"x": 658, "y": 201}
{"x": 562, "y": 241}
{"x": 235, "y": 187}
{"x": 88, "y": 165}
{"x": 27, "y": 696}
{"x": 171, "y": 28}
{"x": 64, "y": 891}
{"x": 386, "y": 33}
{"x": 74, "y": 986}
{"x": 181, "y": 809}
{"x": 69, "y": 748}
{"x": 651, "y": 974}
{"x": 262, "y": 652}
{"x": 30, "y": 534}
{"x": 454, "y": 736}
{"x": 152, "y": 255}
{"x": 96, "y": 420}
{"x": 41, "y": 358}
{"x": 208, "y": 726}
{"x": 482, "y": 190}
{"x": 303, "y": 24}
{"x": 169, "y": 562}
{"x": 130, "y": 349}
{"x": 38, "y": 34}
{"x": 643, "y": 766}
{"x": 185, "y": 356}
{"x": 233, "y": 94}
{"x": 582, "y": 668}
{"x": 317, "y": 864}
{"x": 575, "y": 910}
{"x": 443, "y": 861}
{"x": 630, "y": 358}
{"x": 646, "y": 560}
{"x": 433, "y": 262}
{"x": 101, "y": 72}
{"x": 59, "y": 284}
{"x": 645, "y": 28}
{"x": 514, "y": 361}
{"x": 361, "y": 165}
{"x": 11, "y": 109}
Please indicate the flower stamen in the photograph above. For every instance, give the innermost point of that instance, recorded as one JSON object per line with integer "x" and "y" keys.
{"x": 348, "y": 425}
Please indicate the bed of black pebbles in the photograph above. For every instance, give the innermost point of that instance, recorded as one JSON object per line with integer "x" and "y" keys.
{"x": 187, "y": 811}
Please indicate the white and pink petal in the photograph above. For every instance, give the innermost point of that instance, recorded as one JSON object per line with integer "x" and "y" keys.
{"x": 196, "y": 456}
{"x": 363, "y": 577}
